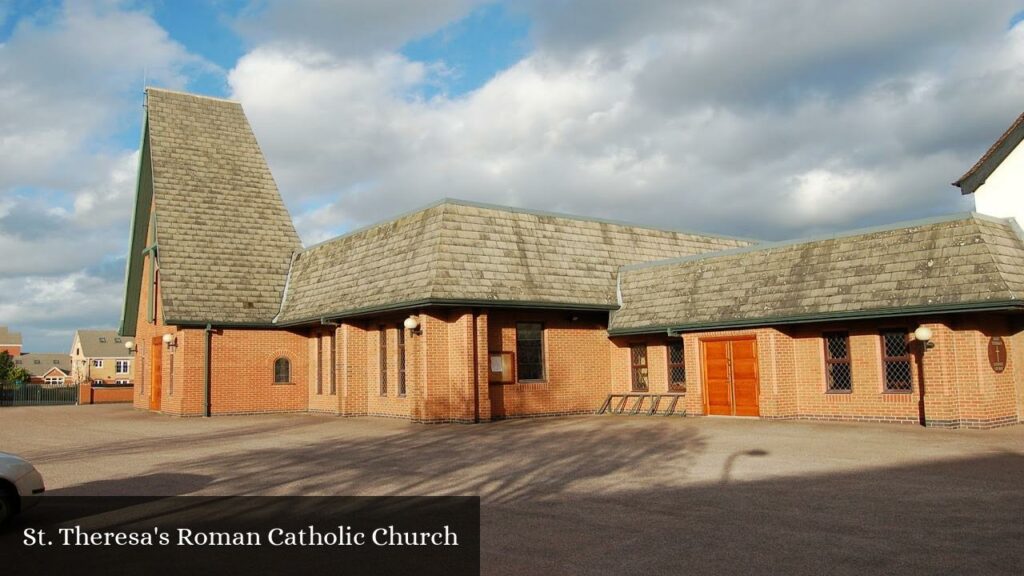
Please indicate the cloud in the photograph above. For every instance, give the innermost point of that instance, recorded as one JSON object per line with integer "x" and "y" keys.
{"x": 70, "y": 89}
{"x": 347, "y": 28}
{"x": 727, "y": 118}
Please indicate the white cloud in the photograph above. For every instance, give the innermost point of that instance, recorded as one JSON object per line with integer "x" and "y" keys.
{"x": 754, "y": 124}
{"x": 347, "y": 28}
{"x": 70, "y": 85}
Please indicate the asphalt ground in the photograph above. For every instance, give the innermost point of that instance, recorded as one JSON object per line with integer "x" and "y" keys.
{"x": 592, "y": 494}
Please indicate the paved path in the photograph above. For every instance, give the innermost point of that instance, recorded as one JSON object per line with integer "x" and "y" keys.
{"x": 593, "y": 495}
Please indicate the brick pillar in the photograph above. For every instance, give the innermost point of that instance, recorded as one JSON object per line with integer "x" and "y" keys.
{"x": 483, "y": 406}
{"x": 352, "y": 369}
{"x": 694, "y": 386}
{"x": 936, "y": 369}
{"x": 85, "y": 393}
{"x": 429, "y": 395}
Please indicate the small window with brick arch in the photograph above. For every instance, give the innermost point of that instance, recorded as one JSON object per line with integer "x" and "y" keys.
{"x": 838, "y": 371}
{"x": 676, "y": 367}
{"x": 282, "y": 371}
{"x": 896, "y": 361}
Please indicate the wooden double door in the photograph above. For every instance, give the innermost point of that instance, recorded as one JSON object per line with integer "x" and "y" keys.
{"x": 730, "y": 376}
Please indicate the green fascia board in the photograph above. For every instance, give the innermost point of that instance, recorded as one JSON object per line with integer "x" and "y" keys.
{"x": 137, "y": 236}
{"x": 671, "y": 329}
{"x": 412, "y": 304}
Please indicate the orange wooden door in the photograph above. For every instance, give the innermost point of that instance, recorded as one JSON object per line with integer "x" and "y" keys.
{"x": 156, "y": 371}
{"x": 744, "y": 377}
{"x": 730, "y": 377}
{"x": 716, "y": 377}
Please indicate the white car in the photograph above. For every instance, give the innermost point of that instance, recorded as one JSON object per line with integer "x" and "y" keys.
{"x": 19, "y": 483}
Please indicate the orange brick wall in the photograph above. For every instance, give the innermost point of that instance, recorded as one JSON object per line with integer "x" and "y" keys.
{"x": 577, "y": 363}
{"x": 87, "y": 394}
{"x": 961, "y": 388}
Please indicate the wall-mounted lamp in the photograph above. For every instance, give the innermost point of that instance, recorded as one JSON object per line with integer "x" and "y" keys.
{"x": 412, "y": 324}
{"x": 130, "y": 345}
{"x": 171, "y": 341}
{"x": 924, "y": 335}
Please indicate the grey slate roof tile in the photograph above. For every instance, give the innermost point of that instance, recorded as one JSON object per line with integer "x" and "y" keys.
{"x": 225, "y": 238}
{"x": 874, "y": 270}
{"x": 463, "y": 251}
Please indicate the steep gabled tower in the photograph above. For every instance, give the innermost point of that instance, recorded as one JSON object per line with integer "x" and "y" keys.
{"x": 208, "y": 215}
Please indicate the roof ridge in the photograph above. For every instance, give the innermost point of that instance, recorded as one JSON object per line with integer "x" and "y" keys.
{"x": 149, "y": 89}
{"x": 473, "y": 204}
{"x": 955, "y": 217}
{"x": 435, "y": 252}
{"x": 567, "y": 216}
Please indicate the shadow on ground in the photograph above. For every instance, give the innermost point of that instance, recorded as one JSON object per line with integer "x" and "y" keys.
{"x": 574, "y": 497}
{"x": 163, "y": 483}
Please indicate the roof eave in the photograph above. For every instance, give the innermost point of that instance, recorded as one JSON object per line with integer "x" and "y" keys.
{"x": 992, "y": 158}
{"x": 450, "y": 303}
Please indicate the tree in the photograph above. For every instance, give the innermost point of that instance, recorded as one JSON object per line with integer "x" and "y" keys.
{"x": 11, "y": 373}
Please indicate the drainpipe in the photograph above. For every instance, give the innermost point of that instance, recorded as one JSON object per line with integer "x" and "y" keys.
{"x": 206, "y": 370}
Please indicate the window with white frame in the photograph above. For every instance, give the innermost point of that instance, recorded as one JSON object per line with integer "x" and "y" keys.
{"x": 97, "y": 363}
{"x": 54, "y": 381}
{"x": 122, "y": 382}
{"x": 122, "y": 366}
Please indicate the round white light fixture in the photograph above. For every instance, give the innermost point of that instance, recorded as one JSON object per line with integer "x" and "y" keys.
{"x": 129, "y": 344}
{"x": 411, "y": 323}
{"x": 168, "y": 338}
{"x": 923, "y": 333}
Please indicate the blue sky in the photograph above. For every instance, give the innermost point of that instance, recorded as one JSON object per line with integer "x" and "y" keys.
{"x": 761, "y": 120}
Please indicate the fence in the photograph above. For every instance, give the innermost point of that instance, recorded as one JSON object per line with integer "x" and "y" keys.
{"x": 31, "y": 394}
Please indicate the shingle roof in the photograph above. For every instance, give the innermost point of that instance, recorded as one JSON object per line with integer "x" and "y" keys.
{"x": 968, "y": 260}
{"x": 9, "y": 338}
{"x": 102, "y": 344}
{"x": 458, "y": 251}
{"x": 990, "y": 160}
{"x": 225, "y": 237}
{"x": 39, "y": 363}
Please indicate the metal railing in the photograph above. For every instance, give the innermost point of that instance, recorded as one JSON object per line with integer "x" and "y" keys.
{"x": 662, "y": 404}
{"x": 33, "y": 394}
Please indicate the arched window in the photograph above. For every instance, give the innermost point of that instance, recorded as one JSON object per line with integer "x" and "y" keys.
{"x": 282, "y": 371}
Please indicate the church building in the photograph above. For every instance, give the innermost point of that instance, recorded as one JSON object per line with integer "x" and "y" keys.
{"x": 468, "y": 312}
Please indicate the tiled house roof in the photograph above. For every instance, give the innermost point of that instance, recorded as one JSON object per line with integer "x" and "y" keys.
{"x": 967, "y": 260}
{"x": 990, "y": 160}
{"x": 459, "y": 251}
{"x": 225, "y": 239}
{"x": 39, "y": 363}
{"x": 101, "y": 344}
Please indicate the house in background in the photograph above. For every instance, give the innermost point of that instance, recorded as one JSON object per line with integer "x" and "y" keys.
{"x": 10, "y": 342}
{"x": 46, "y": 369}
{"x": 99, "y": 358}
{"x": 465, "y": 312}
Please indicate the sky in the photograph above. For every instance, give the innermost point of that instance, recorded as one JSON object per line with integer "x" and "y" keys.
{"x": 769, "y": 120}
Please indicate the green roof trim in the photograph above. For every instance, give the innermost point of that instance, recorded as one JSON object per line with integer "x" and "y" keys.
{"x": 138, "y": 236}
